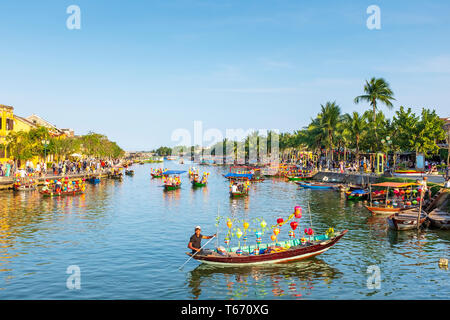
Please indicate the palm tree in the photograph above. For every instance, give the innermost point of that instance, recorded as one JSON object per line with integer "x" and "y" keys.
{"x": 377, "y": 90}
{"x": 354, "y": 126}
{"x": 330, "y": 117}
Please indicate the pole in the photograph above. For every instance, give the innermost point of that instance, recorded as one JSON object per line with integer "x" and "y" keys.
{"x": 420, "y": 208}
{"x": 310, "y": 220}
{"x": 196, "y": 252}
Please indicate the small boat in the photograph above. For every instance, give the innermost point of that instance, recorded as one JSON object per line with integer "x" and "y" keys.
{"x": 358, "y": 194}
{"x": 439, "y": 219}
{"x": 386, "y": 209}
{"x": 316, "y": 185}
{"x": 93, "y": 180}
{"x": 406, "y": 220}
{"x": 24, "y": 187}
{"x": 198, "y": 184}
{"x": 168, "y": 187}
{"x": 382, "y": 204}
{"x": 285, "y": 251}
{"x": 129, "y": 172}
{"x": 62, "y": 193}
{"x": 172, "y": 183}
{"x": 238, "y": 194}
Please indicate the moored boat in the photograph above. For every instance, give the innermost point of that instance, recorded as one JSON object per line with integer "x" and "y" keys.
{"x": 439, "y": 219}
{"x": 406, "y": 220}
{"x": 93, "y": 180}
{"x": 317, "y": 185}
{"x": 283, "y": 252}
{"x": 62, "y": 193}
{"x": 129, "y": 172}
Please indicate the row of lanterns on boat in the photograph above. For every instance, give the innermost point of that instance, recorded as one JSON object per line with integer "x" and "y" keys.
{"x": 276, "y": 229}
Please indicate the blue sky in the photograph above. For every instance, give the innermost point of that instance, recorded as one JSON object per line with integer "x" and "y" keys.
{"x": 138, "y": 70}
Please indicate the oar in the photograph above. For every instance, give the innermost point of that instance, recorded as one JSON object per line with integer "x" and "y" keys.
{"x": 196, "y": 252}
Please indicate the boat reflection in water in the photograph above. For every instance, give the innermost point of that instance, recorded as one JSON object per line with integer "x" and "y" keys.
{"x": 292, "y": 280}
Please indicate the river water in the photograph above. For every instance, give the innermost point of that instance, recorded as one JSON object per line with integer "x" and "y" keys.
{"x": 128, "y": 240}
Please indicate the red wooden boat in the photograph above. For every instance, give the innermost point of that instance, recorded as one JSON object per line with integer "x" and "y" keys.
{"x": 294, "y": 253}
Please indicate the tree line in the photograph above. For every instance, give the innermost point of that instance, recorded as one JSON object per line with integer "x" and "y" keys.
{"x": 38, "y": 142}
{"x": 332, "y": 131}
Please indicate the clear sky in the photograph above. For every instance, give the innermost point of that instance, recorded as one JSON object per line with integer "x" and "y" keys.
{"x": 138, "y": 70}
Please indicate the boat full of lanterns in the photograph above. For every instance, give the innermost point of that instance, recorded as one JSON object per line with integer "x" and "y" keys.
{"x": 294, "y": 249}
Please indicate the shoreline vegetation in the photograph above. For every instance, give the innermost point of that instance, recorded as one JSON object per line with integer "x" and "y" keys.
{"x": 349, "y": 137}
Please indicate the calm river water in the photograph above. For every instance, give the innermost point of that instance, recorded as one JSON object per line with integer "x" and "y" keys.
{"x": 129, "y": 239}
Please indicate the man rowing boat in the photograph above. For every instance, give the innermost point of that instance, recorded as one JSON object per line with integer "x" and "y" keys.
{"x": 195, "y": 243}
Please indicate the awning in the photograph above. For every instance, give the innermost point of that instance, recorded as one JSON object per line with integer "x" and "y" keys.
{"x": 238, "y": 175}
{"x": 168, "y": 172}
{"x": 394, "y": 184}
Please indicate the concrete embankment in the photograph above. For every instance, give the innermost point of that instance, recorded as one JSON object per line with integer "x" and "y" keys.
{"x": 347, "y": 178}
{"x": 7, "y": 182}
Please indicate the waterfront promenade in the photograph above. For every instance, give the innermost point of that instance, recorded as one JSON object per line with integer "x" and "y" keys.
{"x": 6, "y": 183}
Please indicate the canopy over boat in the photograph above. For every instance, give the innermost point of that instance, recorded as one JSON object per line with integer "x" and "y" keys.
{"x": 238, "y": 175}
{"x": 394, "y": 184}
{"x": 169, "y": 172}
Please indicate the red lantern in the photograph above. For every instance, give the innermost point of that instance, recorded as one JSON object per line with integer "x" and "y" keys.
{"x": 298, "y": 212}
{"x": 294, "y": 225}
{"x": 280, "y": 221}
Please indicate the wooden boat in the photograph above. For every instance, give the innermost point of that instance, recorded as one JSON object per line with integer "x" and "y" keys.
{"x": 93, "y": 180}
{"x": 280, "y": 254}
{"x": 168, "y": 187}
{"x": 317, "y": 186}
{"x": 196, "y": 184}
{"x": 61, "y": 194}
{"x": 238, "y": 194}
{"x": 24, "y": 187}
{"x": 358, "y": 194}
{"x": 439, "y": 219}
{"x": 406, "y": 220}
{"x": 386, "y": 209}
{"x": 156, "y": 176}
{"x": 129, "y": 172}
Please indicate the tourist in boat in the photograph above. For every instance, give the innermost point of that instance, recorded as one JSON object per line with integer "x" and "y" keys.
{"x": 195, "y": 242}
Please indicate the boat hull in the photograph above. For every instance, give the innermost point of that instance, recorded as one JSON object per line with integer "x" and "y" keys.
{"x": 315, "y": 186}
{"x": 293, "y": 254}
{"x": 401, "y": 222}
{"x": 169, "y": 188}
{"x": 439, "y": 220}
{"x": 238, "y": 194}
{"x": 198, "y": 184}
{"x": 62, "y": 194}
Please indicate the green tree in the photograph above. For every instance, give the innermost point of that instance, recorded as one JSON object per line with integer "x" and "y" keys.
{"x": 354, "y": 127}
{"x": 376, "y": 90}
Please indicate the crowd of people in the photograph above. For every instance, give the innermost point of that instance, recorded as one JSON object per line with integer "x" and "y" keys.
{"x": 66, "y": 167}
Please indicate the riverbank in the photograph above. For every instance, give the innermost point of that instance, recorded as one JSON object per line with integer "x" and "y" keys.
{"x": 6, "y": 183}
{"x": 365, "y": 178}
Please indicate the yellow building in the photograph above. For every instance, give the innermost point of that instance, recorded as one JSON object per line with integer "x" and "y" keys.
{"x": 6, "y": 126}
{"x": 9, "y": 122}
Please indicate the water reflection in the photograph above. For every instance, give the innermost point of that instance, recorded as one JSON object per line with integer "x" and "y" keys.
{"x": 293, "y": 280}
